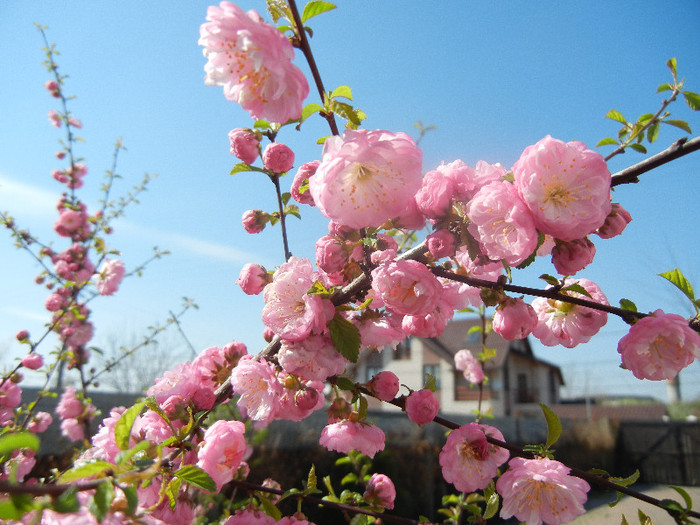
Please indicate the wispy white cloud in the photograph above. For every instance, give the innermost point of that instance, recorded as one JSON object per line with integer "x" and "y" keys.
{"x": 25, "y": 199}
{"x": 193, "y": 245}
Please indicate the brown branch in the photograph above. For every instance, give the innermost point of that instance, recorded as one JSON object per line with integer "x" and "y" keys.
{"x": 678, "y": 149}
{"x": 306, "y": 49}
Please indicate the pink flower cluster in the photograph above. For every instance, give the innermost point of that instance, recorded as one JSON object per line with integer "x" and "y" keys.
{"x": 252, "y": 60}
{"x": 75, "y": 414}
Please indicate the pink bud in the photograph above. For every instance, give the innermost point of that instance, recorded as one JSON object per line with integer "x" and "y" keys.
{"x": 278, "y": 158}
{"x": 422, "y": 406}
{"x": 570, "y": 257}
{"x": 615, "y": 222}
{"x": 514, "y": 319}
{"x": 53, "y": 88}
{"x": 244, "y": 144}
{"x": 32, "y": 361}
{"x": 253, "y": 279}
{"x": 385, "y": 385}
{"x": 22, "y": 335}
{"x": 380, "y": 491}
{"x": 441, "y": 243}
{"x": 254, "y": 221}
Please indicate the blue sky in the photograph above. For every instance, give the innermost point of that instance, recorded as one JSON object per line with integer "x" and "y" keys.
{"x": 493, "y": 78}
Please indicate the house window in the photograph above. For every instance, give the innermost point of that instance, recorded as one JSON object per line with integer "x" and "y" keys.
{"x": 433, "y": 370}
{"x": 403, "y": 349}
{"x": 524, "y": 394}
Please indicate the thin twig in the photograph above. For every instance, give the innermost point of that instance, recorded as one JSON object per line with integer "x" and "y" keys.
{"x": 678, "y": 149}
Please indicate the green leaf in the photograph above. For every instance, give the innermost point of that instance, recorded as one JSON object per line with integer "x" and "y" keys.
{"x": 171, "y": 490}
{"x": 491, "y": 506}
{"x": 679, "y": 124}
{"x": 126, "y": 455}
{"x": 638, "y": 147}
{"x": 553, "y": 425}
{"x": 672, "y": 63}
{"x": 672, "y": 505}
{"x": 270, "y": 509}
{"x": 626, "y": 304}
{"x": 261, "y": 124}
{"x": 576, "y": 288}
{"x": 348, "y": 479}
{"x": 342, "y": 91}
{"x": 67, "y": 502}
{"x": 643, "y": 518}
{"x": 645, "y": 118}
{"x": 692, "y": 99}
{"x": 550, "y": 279}
{"x": 664, "y": 87}
{"x": 102, "y": 500}
{"x": 362, "y": 410}
{"x": 122, "y": 430}
{"x": 606, "y": 141}
{"x": 15, "y": 507}
{"x": 677, "y": 278}
{"x": 653, "y": 132}
{"x": 345, "y": 337}
{"x": 243, "y": 167}
{"x": 614, "y": 114}
{"x": 311, "y": 480}
{"x": 196, "y": 477}
{"x": 314, "y": 8}
{"x": 345, "y": 383}
{"x": 430, "y": 383}
{"x": 87, "y": 470}
{"x": 309, "y": 110}
{"x": 132, "y": 499}
{"x": 686, "y": 497}
{"x": 16, "y": 441}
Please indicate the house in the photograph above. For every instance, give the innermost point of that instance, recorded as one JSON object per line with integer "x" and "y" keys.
{"x": 517, "y": 380}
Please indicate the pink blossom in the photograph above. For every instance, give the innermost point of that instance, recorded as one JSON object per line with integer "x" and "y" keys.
{"x": 70, "y": 221}
{"x": 481, "y": 267}
{"x": 21, "y": 463}
{"x": 331, "y": 254}
{"x": 52, "y": 87}
{"x": 300, "y": 184}
{"x": 79, "y": 334}
{"x": 110, "y": 276}
{"x": 72, "y": 121}
{"x": 366, "y": 177}
{"x": 40, "y": 422}
{"x": 289, "y": 311}
{"x": 468, "y": 461}
{"x": 380, "y": 491}
{"x": 244, "y": 144}
{"x": 54, "y": 302}
{"x": 254, "y": 221}
{"x": 55, "y": 119}
{"x": 422, "y": 406}
{"x": 313, "y": 358}
{"x": 256, "y": 384}
{"x": 502, "y": 223}
{"x": 104, "y": 444}
{"x": 250, "y": 517}
{"x": 278, "y": 157}
{"x": 406, "y": 287}
{"x": 292, "y": 520}
{"x": 514, "y": 319}
{"x": 567, "y": 324}
{"x": 384, "y": 385}
{"x": 616, "y": 221}
{"x": 22, "y": 335}
{"x": 566, "y": 186}
{"x": 69, "y": 406}
{"x": 10, "y": 394}
{"x": 222, "y": 450}
{"x": 253, "y": 279}
{"x": 469, "y": 366}
{"x": 181, "y": 387}
{"x": 541, "y": 490}
{"x": 380, "y": 331}
{"x": 73, "y": 429}
{"x": 571, "y": 257}
{"x": 32, "y": 361}
{"x": 441, "y": 243}
{"x": 659, "y": 346}
{"x": 435, "y": 194}
{"x": 346, "y": 435}
{"x": 214, "y": 364}
{"x": 252, "y": 60}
